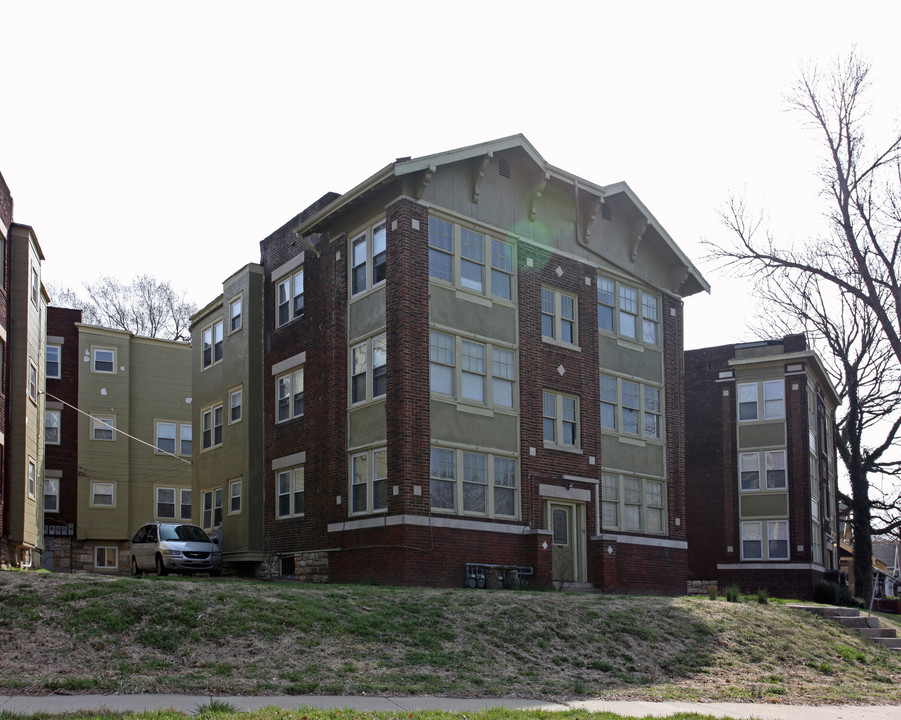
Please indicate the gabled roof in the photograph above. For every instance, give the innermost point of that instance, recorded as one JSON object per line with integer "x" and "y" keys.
{"x": 694, "y": 282}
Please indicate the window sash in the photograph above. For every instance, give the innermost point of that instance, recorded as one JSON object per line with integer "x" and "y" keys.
{"x": 103, "y": 428}
{"x": 289, "y": 501}
{"x": 234, "y": 497}
{"x": 103, "y": 494}
{"x": 53, "y": 361}
{"x": 472, "y": 483}
{"x": 52, "y": 426}
{"x": 104, "y": 360}
{"x": 165, "y": 503}
{"x": 235, "y": 314}
{"x": 51, "y": 494}
{"x": 165, "y": 437}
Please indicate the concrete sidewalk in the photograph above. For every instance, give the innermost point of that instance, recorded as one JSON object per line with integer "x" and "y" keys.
{"x": 53, "y": 704}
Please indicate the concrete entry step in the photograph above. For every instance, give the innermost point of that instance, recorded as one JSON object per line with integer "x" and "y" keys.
{"x": 851, "y": 619}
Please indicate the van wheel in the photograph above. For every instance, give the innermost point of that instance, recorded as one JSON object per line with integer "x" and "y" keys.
{"x": 160, "y": 566}
{"x": 135, "y": 570}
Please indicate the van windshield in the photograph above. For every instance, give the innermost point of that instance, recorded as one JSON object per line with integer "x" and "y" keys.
{"x": 187, "y": 533}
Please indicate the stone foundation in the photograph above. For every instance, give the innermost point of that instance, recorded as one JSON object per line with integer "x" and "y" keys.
{"x": 702, "y": 587}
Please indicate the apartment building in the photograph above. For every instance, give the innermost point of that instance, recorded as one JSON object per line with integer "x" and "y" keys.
{"x": 226, "y": 363}
{"x": 23, "y": 315}
{"x": 761, "y": 466}
{"x": 472, "y": 367}
{"x": 134, "y": 439}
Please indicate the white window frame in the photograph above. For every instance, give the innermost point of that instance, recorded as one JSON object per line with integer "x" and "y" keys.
{"x": 159, "y": 491}
{"x": 497, "y": 370}
{"x": 451, "y": 252}
{"x": 758, "y": 471}
{"x": 367, "y": 258}
{"x": 103, "y": 424}
{"x": 31, "y": 479}
{"x": 562, "y": 409}
{"x": 634, "y": 496}
{"x": 51, "y": 491}
{"x": 287, "y": 397}
{"x": 32, "y": 382}
{"x": 185, "y": 503}
{"x": 108, "y": 553}
{"x": 208, "y": 425}
{"x": 236, "y": 314}
{"x": 50, "y": 426}
{"x": 96, "y": 352}
{"x": 183, "y": 430}
{"x": 752, "y": 531}
{"x": 57, "y": 351}
{"x": 365, "y": 377}
{"x": 368, "y": 491}
{"x": 757, "y": 393}
{"x": 211, "y": 509}
{"x": 289, "y": 297}
{"x": 773, "y": 405}
{"x": 556, "y": 321}
{"x": 479, "y": 482}
{"x": 158, "y": 437}
{"x": 293, "y": 478}
{"x": 96, "y": 487}
{"x": 617, "y": 301}
{"x": 236, "y": 405}
{"x": 235, "y": 499}
{"x": 212, "y": 347}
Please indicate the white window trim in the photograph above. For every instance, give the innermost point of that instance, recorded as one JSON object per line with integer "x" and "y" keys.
{"x": 32, "y": 388}
{"x": 48, "y": 413}
{"x": 57, "y": 482}
{"x": 488, "y": 266}
{"x": 367, "y": 236}
{"x": 642, "y": 294}
{"x": 368, "y": 372}
{"x": 760, "y": 403}
{"x": 210, "y": 411}
{"x": 619, "y": 410}
{"x": 291, "y": 281}
{"x": 106, "y": 566}
{"x": 103, "y": 422}
{"x": 59, "y": 360}
{"x": 290, "y": 378}
{"x": 764, "y": 531}
{"x": 559, "y": 422}
{"x": 459, "y": 483}
{"x": 211, "y": 329}
{"x": 31, "y": 479}
{"x": 176, "y": 437}
{"x": 94, "y": 351}
{"x": 368, "y": 482}
{"x": 292, "y": 510}
{"x": 557, "y": 318}
{"x": 213, "y": 494}
{"x": 94, "y": 486}
{"x": 239, "y": 391}
{"x": 181, "y": 439}
{"x": 239, "y": 298}
{"x": 489, "y": 376}
{"x": 620, "y": 501}
{"x": 239, "y": 484}
{"x": 176, "y": 504}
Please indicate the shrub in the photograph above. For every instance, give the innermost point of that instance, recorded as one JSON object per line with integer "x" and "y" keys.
{"x": 846, "y": 598}
{"x": 733, "y": 593}
{"x": 763, "y": 596}
{"x": 825, "y": 592}
{"x": 711, "y": 594}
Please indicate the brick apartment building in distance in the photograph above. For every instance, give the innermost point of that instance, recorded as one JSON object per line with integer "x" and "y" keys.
{"x": 761, "y": 467}
{"x": 470, "y": 359}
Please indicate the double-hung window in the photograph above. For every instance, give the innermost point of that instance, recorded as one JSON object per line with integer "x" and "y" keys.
{"x": 185, "y": 439}
{"x": 762, "y": 470}
{"x": 103, "y": 494}
{"x": 54, "y": 353}
{"x": 630, "y": 407}
{"x": 235, "y": 314}
{"x": 165, "y": 439}
{"x": 368, "y": 259}
{"x": 558, "y": 316}
{"x": 211, "y": 509}
{"x": 165, "y": 503}
{"x": 486, "y": 373}
{"x": 32, "y": 382}
{"x": 32, "y": 478}
{"x": 473, "y": 483}
{"x": 560, "y": 416}
{"x": 289, "y": 395}
{"x": 235, "y": 405}
{"x": 627, "y": 311}
{"x": 289, "y": 302}
{"x": 752, "y": 545}
{"x": 104, "y": 360}
{"x": 52, "y": 426}
{"x": 773, "y": 400}
{"x": 369, "y": 370}
{"x": 459, "y": 255}
{"x": 369, "y": 481}
{"x": 633, "y": 504}
{"x": 103, "y": 427}
{"x": 234, "y": 497}
{"x": 51, "y": 494}
{"x": 289, "y": 498}
{"x": 212, "y": 337}
{"x": 211, "y": 427}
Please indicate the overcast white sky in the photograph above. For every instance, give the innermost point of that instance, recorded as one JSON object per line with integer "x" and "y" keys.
{"x": 171, "y": 137}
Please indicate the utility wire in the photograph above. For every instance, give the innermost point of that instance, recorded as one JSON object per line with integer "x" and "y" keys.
{"x": 114, "y": 429}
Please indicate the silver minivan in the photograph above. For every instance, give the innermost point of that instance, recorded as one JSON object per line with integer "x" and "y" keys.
{"x": 162, "y": 547}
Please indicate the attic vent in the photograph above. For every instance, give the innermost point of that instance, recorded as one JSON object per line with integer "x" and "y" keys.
{"x": 503, "y": 167}
{"x": 606, "y": 212}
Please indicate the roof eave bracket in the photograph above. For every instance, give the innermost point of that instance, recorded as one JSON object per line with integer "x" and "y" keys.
{"x": 480, "y": 177}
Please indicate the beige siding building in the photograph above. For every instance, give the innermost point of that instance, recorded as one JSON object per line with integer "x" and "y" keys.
{"x": 134, "y": 440}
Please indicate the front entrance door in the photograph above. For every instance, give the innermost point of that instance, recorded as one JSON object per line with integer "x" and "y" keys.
{"x": 565, "y": 521}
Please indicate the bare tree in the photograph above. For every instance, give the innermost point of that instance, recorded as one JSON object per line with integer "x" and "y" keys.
{"x": 146, "y": 306}
{"x": 843, "y": 288}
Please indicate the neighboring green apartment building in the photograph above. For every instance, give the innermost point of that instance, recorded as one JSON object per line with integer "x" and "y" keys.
{"x": 135, "y": 441}
{"x": 227, "y": 410}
